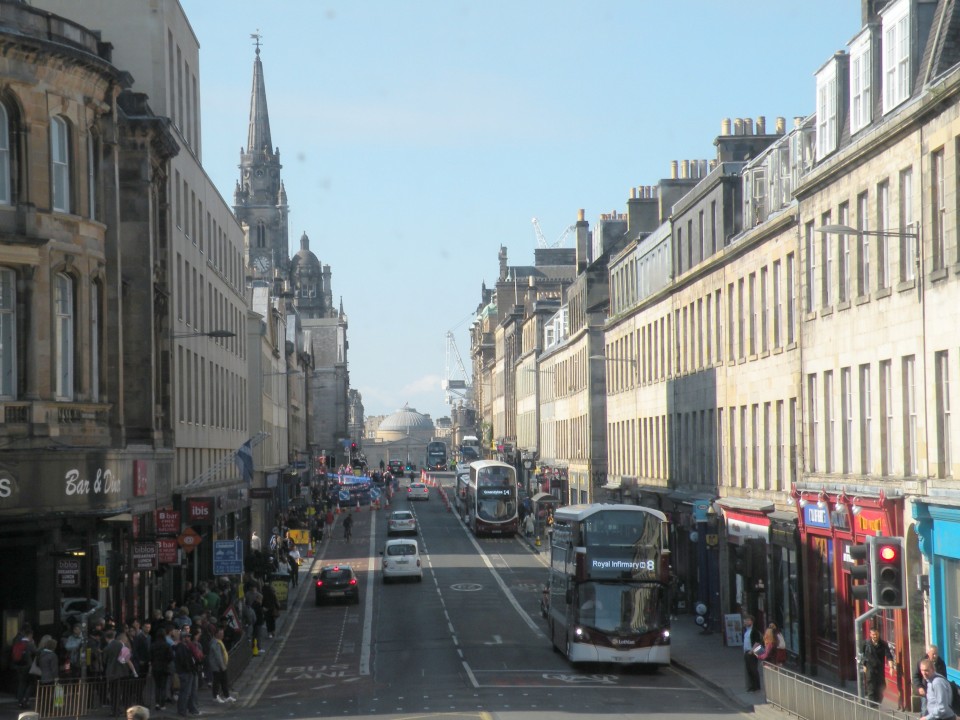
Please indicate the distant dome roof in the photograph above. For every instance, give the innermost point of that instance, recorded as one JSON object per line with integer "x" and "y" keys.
{"x": 304, "y": 256}
{"x": 406, "y": 418}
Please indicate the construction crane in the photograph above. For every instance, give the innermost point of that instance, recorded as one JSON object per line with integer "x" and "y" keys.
{"x": 542, "y": 241}
{"x": 455, "y": 387}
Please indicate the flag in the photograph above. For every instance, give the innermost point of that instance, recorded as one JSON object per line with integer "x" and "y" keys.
{"x": 244, "y": 460}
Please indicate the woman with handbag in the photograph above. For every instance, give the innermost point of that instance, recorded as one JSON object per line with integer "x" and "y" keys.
{"x": 47, "y": 661}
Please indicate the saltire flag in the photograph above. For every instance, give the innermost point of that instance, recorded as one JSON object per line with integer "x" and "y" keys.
{"x": 244, "y": 460}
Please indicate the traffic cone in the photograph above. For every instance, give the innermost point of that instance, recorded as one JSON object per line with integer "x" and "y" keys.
{"x": 256, "y": 648}
{"x": 538, "y": 541}
{"x": 357, "y": 509}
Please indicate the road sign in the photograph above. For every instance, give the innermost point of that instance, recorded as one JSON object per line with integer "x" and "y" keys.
{"x": 189, "y": 539}
{"x": 374, "y": 493}
{"x": 299, "y": 465}
{"x": 227, "y": 557}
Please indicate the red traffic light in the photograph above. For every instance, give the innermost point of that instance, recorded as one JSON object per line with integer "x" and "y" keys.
{"x": 887, "y": 553}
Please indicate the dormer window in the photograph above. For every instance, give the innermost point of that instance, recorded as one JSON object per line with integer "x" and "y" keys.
{"x": 827, "y": 109}
{"x": 861, "y": 87}
{"x": 896, "y": 54}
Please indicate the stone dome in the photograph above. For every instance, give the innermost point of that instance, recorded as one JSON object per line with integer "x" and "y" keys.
{"x": 407, "y": 418}
{"x": 304, "y": 258}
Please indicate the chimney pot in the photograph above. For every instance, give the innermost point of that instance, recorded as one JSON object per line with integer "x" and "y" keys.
{"x": 633, "y": 193}
{"x": 762, "y": 125}
{"x": 797, "y": 121}
{"x": 781, "y": 125}
{"x": 748, "y": 126}
{"x": 673, "y": 169}
{"x": 725, "y": 126}
{"x": 738, "y": 126}
{"x": 684, "y": 169}
{"x": 580, "y": 215}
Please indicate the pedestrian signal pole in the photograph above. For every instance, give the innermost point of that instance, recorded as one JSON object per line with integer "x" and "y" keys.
{"x": 865, "y": 571}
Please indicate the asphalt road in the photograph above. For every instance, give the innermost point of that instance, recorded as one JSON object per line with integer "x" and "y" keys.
{"x": 466, "y": 642}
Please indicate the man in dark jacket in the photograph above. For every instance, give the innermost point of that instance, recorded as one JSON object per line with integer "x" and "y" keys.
{"x": 161, "y": 658}
{"x": 751, "y": 638}
{"x": 186, "y": 666}
{"x": 874, "y": 655}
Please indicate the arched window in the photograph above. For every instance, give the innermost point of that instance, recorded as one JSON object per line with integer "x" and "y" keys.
{"x": 261, "y": 234}
{"x": 6, "y": 192}
{"x": 60, "y": 164}
{"x": 8, "y": 334}
{"x": 64, "y": 336}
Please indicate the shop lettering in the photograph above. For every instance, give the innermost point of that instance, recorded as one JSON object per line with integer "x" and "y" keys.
{"x": 199, "y": 511}
{"x": 869, "y": 525}
{"x": 817, "y": 515}
{"x": 103, "y": 484}
{"x": 6, "y": 488}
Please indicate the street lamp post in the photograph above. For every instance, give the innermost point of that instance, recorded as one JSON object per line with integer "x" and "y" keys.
{"x": 210, "y": 334}
{"x": 912, "y": 232}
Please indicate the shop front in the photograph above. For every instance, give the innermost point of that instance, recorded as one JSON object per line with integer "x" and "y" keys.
{"x": 746, "y": 590}
{"x": 831, "y": 520}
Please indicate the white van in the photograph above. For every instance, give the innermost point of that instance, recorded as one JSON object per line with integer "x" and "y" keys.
{"x": 401, "y": 559}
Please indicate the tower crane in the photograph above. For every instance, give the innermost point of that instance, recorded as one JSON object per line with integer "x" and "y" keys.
{"x": 455, "y": 387}
{"x": 542, "y": 241}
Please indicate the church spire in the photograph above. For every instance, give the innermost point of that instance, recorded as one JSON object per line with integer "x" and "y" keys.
{"x": 258, "y": 136}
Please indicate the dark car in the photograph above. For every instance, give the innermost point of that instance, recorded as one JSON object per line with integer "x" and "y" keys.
{"x": 395, "y": 467}
{"x": 336, "y": 582}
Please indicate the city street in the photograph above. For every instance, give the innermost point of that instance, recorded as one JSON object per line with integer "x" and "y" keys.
{"x": 465, "y": 641}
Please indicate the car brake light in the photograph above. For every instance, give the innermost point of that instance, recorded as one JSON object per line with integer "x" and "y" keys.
{"x": 353, "y": 581}
{"x": 319, "y": 583}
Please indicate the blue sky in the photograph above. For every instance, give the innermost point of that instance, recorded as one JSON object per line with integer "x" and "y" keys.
{"x": 418, "y": 137}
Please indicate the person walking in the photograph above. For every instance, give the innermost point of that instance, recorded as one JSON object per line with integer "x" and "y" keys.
{"x": 23, "y": 651}
{"x": 920, "y": 682}
{"x": 939, "y": 693}
{"x": 48, "y": 661}
{"x": 751, "y": 638}
{"x": 874, "y": 655}
{"x": 161, "y": 659}
{"x": 219, "y": 661}
{"x": 186, "y": 666}
{"x": 528, "y": 525}
{"x": 348, "y": 528}
{"x": 271, "y": 609}
{"x": 115, "y": 668}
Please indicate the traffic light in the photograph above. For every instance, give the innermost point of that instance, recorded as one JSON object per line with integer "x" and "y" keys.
{"x": 887, "y": 563}
{"x": 861, "y": 571}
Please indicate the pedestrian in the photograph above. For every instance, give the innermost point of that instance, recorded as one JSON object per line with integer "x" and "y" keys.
{"x": 769, "y": 650}
{"x": 219, "y": 662}
{"x": 72, "y": 644}
{"x": 939, "y": 693}
{"x": 781, "y": 655}
{"x": 23, "y": 652}
{"x": 528, "y": 525}
{"x": 47, "y": 661}
{"x": 919, "y": 682}
{"x": 161, "y": 659}
{"x": 874, "y": 655}
{"x": 348, "y": 527}
{"x": 187, "y": 669}
{"x": 271, "y": 609}
{"x": 751, "y": 638}
{"x": 140, "y": 646}
{"x": 116, "y": 666}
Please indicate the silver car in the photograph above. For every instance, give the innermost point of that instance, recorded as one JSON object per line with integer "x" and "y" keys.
{"x": 418, "y": 491}
{"x": 401, "y": 521}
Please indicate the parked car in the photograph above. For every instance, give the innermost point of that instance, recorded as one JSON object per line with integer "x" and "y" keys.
{"x": 401, "y": 521}
{"x": 418, "y": 491}
{"x": 401, "y": 559}
{"x": 336, "y": 582}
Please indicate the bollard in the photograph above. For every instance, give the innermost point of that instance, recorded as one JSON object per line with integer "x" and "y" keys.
{"x": 538, "y": 541}
{"x": 256, "y": 648}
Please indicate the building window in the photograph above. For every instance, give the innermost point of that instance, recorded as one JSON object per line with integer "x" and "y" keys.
{"x": 843, "y": 256}
{"x": 909, "y": 416}
{"x": 908, "y": 243}
{"x": 826, "y": 110}
{"x": 861, "y": 69}
{"x": 64, "y": 336}
{"x": 886, "y": 415}
{"x": 866, "y": 421}
{"x": 753, "y": 312}
{"x": 92, "y": 174}
{"x": 731, "y": 340}
{"x": 863, "y": 247}
{"x": 732, "y": 416}
{"x": 779, "y": 447}
{"x": 6, "y": 159}
{"x": 764, "y": 311}
{"x": 777, "y": 305}
{"x": 896, "y": 54}
{"x": 828, "y": 422}
{"x": 60, "y": 164}
{"x": 939, "y": 209}
{"x": 741, "y": 321}
{"x": 846, "y": 420}
{"x": 8, "y": 334}
{"x": 791, "y": 301}
{"x": 826, "y": 256}
{"x": 814, "y": 429}
{"x": 944, "y": 459}
{"x": 883, "y": 243}
{"x": 811, "y": 253}
{"x": 95, "y": 341}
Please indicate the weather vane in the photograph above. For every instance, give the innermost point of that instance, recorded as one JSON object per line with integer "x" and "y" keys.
{"x": 256, "y": 38}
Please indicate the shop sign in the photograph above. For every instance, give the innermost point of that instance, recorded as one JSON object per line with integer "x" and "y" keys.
{"x": 167, "y": 551}
{"x": 168, "y": 522}
{"x": 144, "y": 556}
{"x": 746, "y": 530}
{"x": 815, "y": 516}
{"x": 261, "y": 493}
{"x": 199, "y": 511}
{"x": 68, "y": 572}
{"x": 871, "y": 522}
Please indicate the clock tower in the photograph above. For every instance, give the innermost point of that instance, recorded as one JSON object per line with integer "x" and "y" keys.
{"x": 259, "y": 199}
